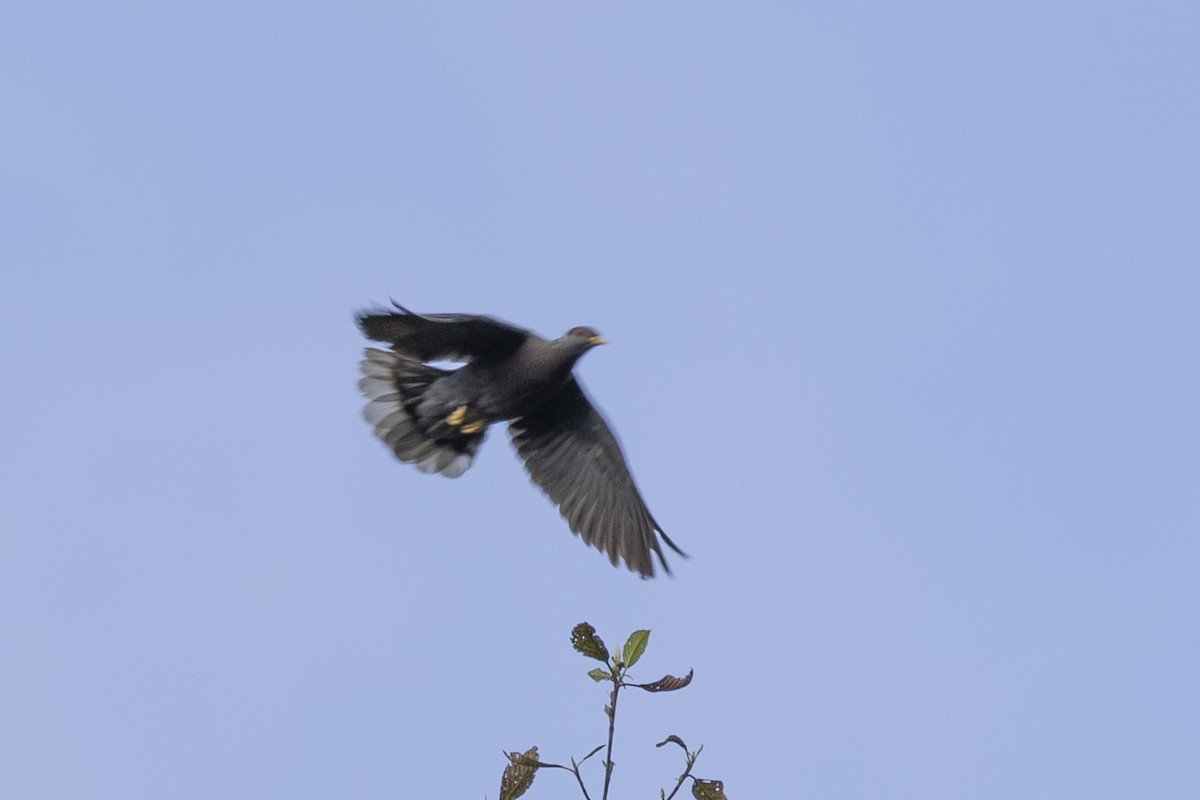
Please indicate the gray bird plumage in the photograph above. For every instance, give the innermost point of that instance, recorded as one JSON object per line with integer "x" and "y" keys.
{"x": 436, "y": 418}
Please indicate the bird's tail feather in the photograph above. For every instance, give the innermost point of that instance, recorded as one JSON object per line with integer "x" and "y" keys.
{"x": 394, "y": 385}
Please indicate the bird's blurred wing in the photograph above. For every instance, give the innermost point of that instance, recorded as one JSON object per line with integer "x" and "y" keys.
{"x": 572, "y": 455}
{"x": 441, "y": 337}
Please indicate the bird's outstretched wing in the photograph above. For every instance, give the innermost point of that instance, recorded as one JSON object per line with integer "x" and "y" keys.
{"x": 438, "y": 337}
{"x": 572, "y": 455}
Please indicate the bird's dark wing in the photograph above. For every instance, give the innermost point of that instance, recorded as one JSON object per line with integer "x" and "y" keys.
{"x": 572, "y": 455}
{"x": 438, "y": 337}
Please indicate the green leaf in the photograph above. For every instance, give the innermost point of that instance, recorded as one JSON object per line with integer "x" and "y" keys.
{"x": 598, "y": 675}
{"x": 634, "y": 647}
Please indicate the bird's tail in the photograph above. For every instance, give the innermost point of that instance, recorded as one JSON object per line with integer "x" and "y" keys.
{"x": 394, "y": 386}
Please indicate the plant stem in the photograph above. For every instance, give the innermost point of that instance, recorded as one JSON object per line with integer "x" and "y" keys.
{"x": 612, "y": 724}
{"x": 579, "y": 778}
{"x": 687, "y": 772}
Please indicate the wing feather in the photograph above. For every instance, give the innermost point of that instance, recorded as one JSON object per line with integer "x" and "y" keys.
{"x": 572, "y": 454}
{"x": 441, "y": 337}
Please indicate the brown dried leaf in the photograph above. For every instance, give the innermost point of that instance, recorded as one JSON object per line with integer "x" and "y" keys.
{"x": 518, "y": 775}
{"x": 667, "y": 683}
{"x": 708, "y": 790}
{"x": 675, "y": 739}
{"x": 585, "y": 640}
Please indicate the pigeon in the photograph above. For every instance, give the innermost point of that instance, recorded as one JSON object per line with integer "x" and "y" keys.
{"x": 436, "y": 418}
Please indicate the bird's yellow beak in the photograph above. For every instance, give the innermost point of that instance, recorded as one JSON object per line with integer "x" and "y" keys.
{"x": 595, "y": 340}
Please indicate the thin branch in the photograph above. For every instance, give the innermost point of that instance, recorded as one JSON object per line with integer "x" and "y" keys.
{"x": 691, "y": 762}
{"x": 579, "y": 778}
{"x": 573, "y": 769}
{"x": 612, "y": 724}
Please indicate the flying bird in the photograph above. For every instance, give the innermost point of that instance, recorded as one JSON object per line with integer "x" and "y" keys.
{"x": 436, "y": 418}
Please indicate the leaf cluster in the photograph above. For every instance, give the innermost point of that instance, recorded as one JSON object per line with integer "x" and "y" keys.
{"x": 522, "y": 768}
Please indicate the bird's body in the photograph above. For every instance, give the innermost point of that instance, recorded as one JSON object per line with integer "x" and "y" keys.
{"x": 498, "y": 391}
{"x": 436, "y": 418}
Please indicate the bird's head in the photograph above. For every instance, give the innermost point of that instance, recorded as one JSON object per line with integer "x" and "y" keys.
{"x": 583, "y": 337}
{"x": 580, "y": 339}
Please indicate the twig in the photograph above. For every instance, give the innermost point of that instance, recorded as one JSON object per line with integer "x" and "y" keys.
{"x": 691, "y": 762}
{"x": 612, "y": 723}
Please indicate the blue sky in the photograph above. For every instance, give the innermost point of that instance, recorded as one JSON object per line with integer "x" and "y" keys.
{"x": 903, "y": 311}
